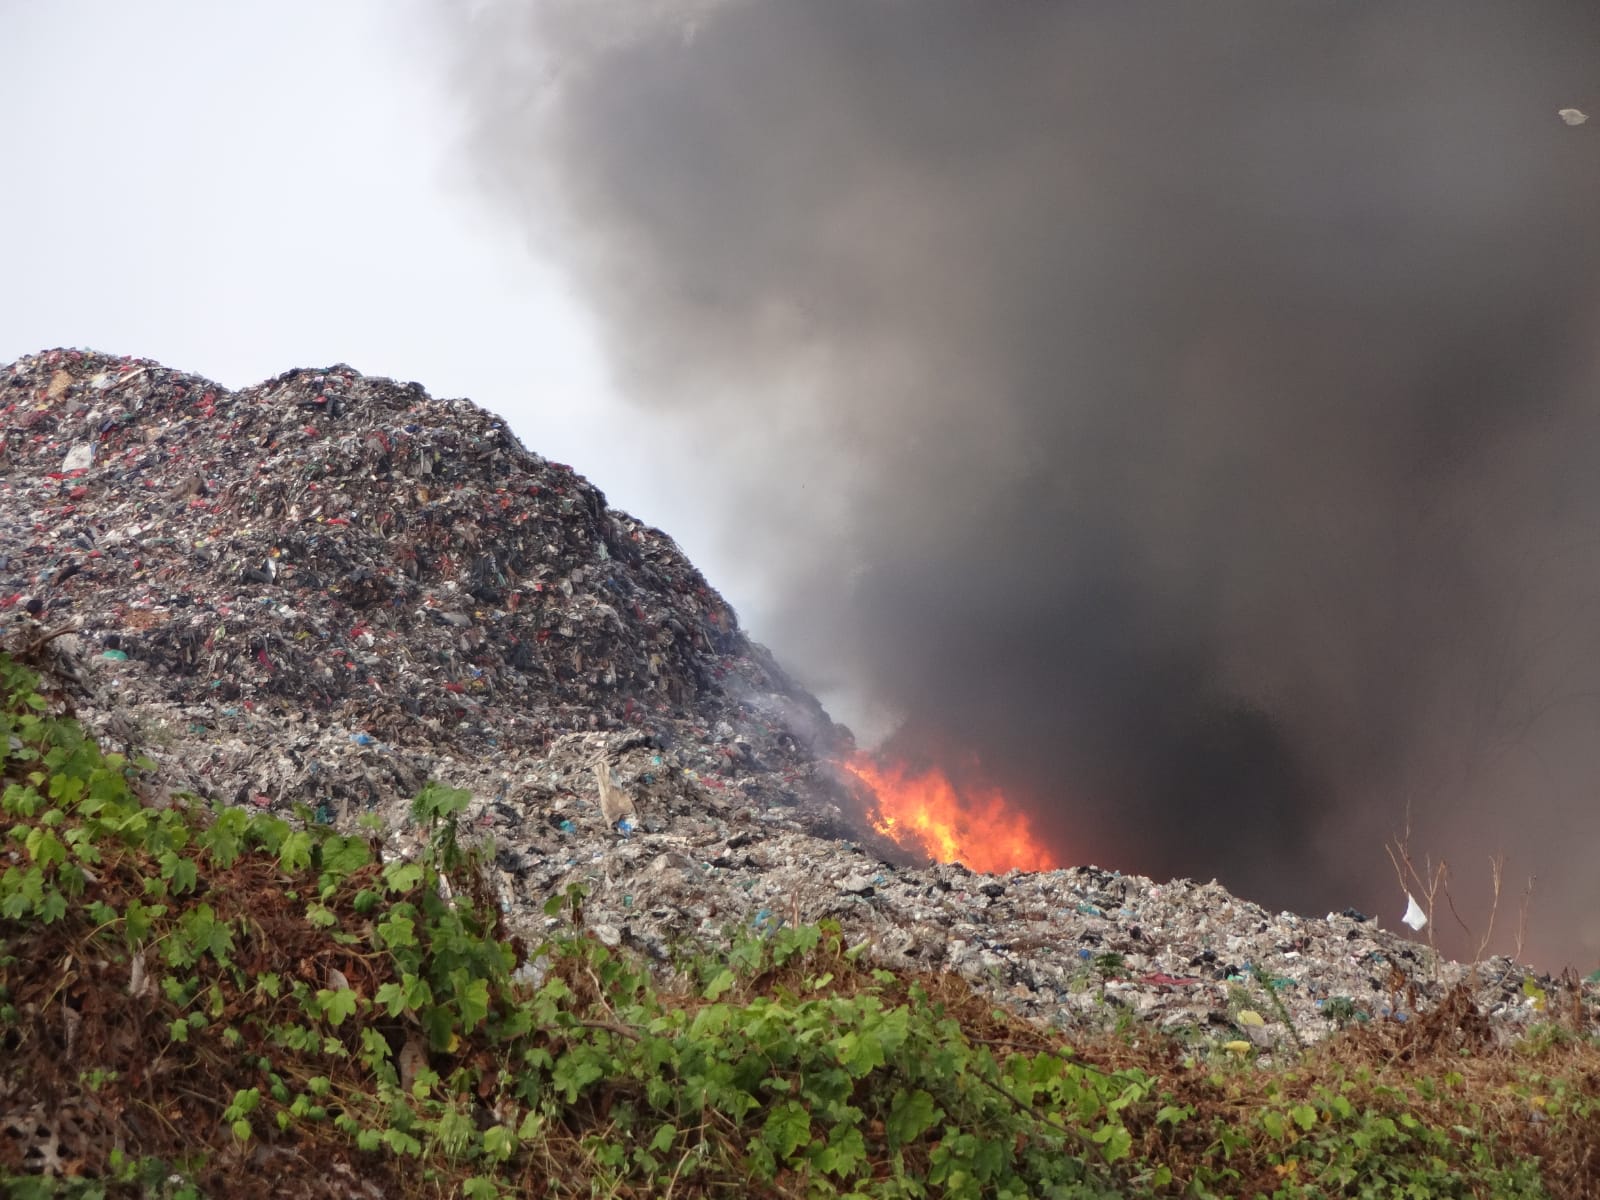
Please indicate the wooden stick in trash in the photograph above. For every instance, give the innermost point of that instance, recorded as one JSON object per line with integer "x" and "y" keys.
{"x": 615, "y": 804}
{"x": 50, "y": 635}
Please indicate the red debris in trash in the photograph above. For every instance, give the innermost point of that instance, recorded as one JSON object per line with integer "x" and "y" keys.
{"x": 1162, "y": 979}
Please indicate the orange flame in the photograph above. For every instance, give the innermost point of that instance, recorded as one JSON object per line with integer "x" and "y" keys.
{"x": 973, "y": 825}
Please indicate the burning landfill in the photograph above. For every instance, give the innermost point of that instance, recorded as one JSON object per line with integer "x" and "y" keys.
{"x": 325, "y": 589}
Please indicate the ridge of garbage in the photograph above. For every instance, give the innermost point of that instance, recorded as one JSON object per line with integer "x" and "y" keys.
{"x": 327, "y": 588}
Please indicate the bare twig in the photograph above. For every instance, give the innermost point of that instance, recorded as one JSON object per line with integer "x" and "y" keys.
{"x": 1497, "y": 865}
{"x": 49, "y": 635}
{"x": 1428, "y": 881}
{"x": 1523, "y": 908}
{"x": 672, "y": 1184}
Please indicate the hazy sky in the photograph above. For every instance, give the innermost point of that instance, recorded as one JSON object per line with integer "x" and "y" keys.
{"x": 238, "y": 189}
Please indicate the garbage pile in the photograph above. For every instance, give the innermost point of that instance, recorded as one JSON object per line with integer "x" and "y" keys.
{"x": 1080, "y": 949}
{"x": 317, "y": 593}
{"x": 309, "y": 590}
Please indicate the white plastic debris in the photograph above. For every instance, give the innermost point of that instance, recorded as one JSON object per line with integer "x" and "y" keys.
{"x": 1573, "y": 116}
{"x": 1414, "y": 917}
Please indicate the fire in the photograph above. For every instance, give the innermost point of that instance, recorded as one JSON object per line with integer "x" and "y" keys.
{"x": 973, "y": 825}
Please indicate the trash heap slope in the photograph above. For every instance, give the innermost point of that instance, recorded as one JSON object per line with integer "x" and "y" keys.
{"x": 326, "y": 589}
{"x": 311, "y": 589}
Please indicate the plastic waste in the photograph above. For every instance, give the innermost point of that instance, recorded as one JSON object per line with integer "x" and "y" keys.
{"x": 1414, "y": 917}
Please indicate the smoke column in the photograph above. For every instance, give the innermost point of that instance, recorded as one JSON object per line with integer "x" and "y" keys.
{"x": 1191, "y": 411}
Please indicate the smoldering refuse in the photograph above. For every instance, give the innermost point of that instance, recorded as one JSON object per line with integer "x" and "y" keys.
{"x": 1188, "y": 412}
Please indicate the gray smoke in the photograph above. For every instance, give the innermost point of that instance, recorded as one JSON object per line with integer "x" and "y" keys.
{"x": 1190, "y": 410}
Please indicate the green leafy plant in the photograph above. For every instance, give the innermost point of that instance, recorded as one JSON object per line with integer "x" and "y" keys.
{"x": 243, "y": 982}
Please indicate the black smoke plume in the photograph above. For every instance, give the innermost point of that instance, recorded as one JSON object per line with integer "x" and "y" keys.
{"x": 1191, "y": 409}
